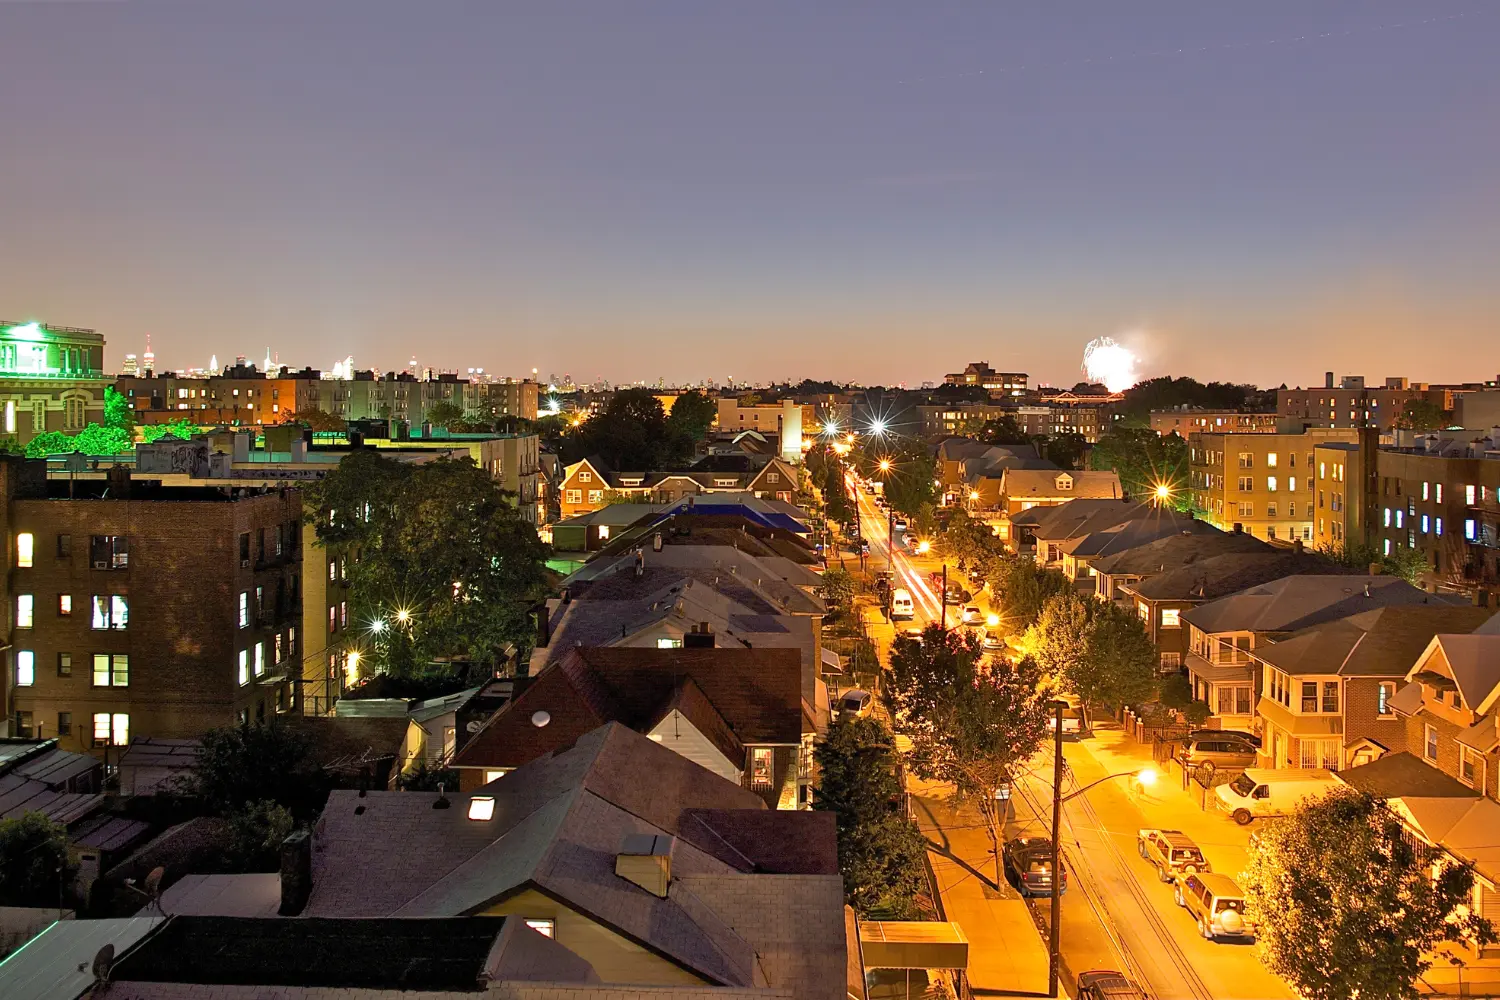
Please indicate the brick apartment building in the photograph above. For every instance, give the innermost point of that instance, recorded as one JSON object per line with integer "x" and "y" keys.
{"x": 1264, "y": 483}
{"x": 1350, "y": 404}
{"x": 135, "y": 609}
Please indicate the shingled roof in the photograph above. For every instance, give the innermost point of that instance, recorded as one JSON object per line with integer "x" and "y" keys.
{"x": 1232, "y": 572}
{"x": 1384, "y": 642}
{"x": 1295, "y": 602}
{"x": 1174, "y": 551}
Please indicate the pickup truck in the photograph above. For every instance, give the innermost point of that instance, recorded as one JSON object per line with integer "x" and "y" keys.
{"x": 1171, "y": 852}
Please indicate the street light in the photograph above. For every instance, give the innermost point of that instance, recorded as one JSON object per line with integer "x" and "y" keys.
{"x": 924, "y": 547}
{"x": 1146, "y": 776}
{"x": 885, "y": 465}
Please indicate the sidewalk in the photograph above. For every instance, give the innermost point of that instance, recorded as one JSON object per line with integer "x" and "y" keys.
{"x": 1006, "y": 954}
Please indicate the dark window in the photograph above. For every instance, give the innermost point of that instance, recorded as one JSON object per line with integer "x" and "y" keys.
{"x": 65, "y": 664}
{"x": 261, "y": 545}
{"x": 1330, "y": 696}
{"x": 1309, "y": 696}
{"x": 23, "y": 725}
{"x": 109, "y": 551}
{"x": 64, "y": 546}
{"x": 244, "y": 546}
{"x": 64, "y": 723}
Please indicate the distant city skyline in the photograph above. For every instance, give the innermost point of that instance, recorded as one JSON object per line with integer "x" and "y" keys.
{"x": 861, "y": 193}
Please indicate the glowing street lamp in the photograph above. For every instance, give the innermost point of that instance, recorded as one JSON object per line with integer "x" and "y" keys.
{"x": 878, "y": 427}
{"x": 403, "y": 616}
{"x": 885, "y": 465}
{"x": 992, "y": 620}
{"x": 1163, "y": 492}
{"x": 924, "y": 547}
{"x": 377, "y": 626}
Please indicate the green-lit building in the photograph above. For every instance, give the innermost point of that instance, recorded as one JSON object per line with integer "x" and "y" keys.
{"x": 51, "y": 379}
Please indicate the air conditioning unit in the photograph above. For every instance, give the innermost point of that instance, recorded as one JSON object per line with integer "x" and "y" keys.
{"x": 101, "y": 564}
{"x": 244, "y": 564}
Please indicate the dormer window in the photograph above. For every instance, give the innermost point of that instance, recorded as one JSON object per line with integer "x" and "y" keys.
{"x": 585, "y": 476}
{"x": 1064, "y": 482}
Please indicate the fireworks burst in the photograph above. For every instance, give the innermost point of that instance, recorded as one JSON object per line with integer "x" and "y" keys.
{"x": 1105, "y": 360}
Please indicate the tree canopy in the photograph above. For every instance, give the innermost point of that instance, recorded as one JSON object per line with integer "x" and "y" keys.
{"x": 1002, "y": 430}
{"x": 1165, "y": 392}
{"x": 447, "y": 569}
{"x": 693, "y": 414}
{"x": 315, "y": 419}
{"x": 449, "y": 416}
{"x": 1065, "y": 449}
{"x": 1422, "y": 414}
{"x": 1101, "y": 652}
{"x": 1350, "y": 904}
{"x": 1144, "y": 460}
{"x": 35, "y": 863}
{"x": 631, "y": 433}
{"x": 880, "y": 850}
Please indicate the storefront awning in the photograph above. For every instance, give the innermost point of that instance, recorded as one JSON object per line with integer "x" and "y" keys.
{"x": 913, "y": 944}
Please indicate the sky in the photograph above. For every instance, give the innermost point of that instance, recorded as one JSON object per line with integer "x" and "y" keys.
{"x": 867, "y": 191}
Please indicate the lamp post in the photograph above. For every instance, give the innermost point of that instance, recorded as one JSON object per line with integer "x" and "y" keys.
{"x": 1146, "y": 776}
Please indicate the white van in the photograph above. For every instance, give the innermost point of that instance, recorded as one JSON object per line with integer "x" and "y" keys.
{"x": 1260, "y": 792}
{"x": 901, "y": 606}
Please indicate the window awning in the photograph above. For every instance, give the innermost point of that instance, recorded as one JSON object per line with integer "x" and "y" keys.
{"x": 833, "y": 661}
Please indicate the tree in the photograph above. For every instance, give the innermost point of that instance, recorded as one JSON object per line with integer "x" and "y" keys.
{"x": 182, "y": 429}
{"x": 427, "y": 779}
{"x": 1144, "y": 460}
{"x": 1421, "y": 414}
{"x": 631, "y": 433}
{"x": 448, "y": 570}
{"x": 1066, "y": 449}
{"x": 118, "y": 413}
{"x": 315, "y": 419}
{"x": 693, "y": 413}
{"x": 880, "y": 851}
{"x": 911, "y": 485}
{"x": 838, "y": 590}
{"x": 923, "y": 672}
{"x": 1020, "y": 588}
{"x": 837, "y": 506}
{"x": 239, "y": 766}
{"x": 1166, "y": 392}
{"x": 968, "y": 540}
{"x": 92, "y": 440}
{"x": 1002, "y": 430}
{"x": 449, "y": 416}
{"x": 1099, "y": 651}
{"x": 256, "y": 831}
{"x": 1349, "y": 904}
{"x": 34, "y": 861}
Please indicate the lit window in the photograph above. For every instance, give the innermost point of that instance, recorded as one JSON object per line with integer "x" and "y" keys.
{"x": 1383, "y": 699}
{"x": 64, "y": 605}
{"x": 101, "y": 729}
{"x": 668, "y": 643}
{"x": 25, "y": 544}
{"x": 1171, "y": 618}
{"x": 244, "y": 618}
{"x": 1425, "y": 486}
{"x": 260, "y": 658}
{"x": 1387, "y": 518}
{"x": 1469, "y": 529}
{"x": 1437, "y": 491}
{"x": 276, "y": 649}
{"x": 482, "y": 807}
{"x": 1437, "y": 526}
{"x": 541, "y": 926}
{"x": 120, "y": 729}
{"x": 25, "y": 668}
{"x": 1426, "y": 523}
{"x": 110, "y": 612}
{"x": 603, "y": 532}
{"x": 1271, "y": 484}
{"x": 25, "y": 610}
{"x": 111, "y": 670}
{"x": 760, "y": 767}
{"x": 244, "y": 673}
{"x": 495, "y": 775}
{"x": 1322, "y": 470}
{"x": 1469, "y": 495}
{"x": 1400, "y": 517}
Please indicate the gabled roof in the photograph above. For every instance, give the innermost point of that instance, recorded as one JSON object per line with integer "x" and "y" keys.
{"x": 1384, "y": 642}
{"x": 557, "y": 824}
{"x": 1401, "y": 774}
{"x": 1018, "y": 484}
{"x": 1222, "y": 575}
{"x": 1181, "y": 548}
{"x": 1149, "y": 526}
{"x": 1473, "y": 662}
{"x": 1295, "y": 602}
{"x": 738, "y": 697}
{"x": 1077, "y": 517}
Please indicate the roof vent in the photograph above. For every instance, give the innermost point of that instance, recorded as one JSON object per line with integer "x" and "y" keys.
{"x": 540, "y": 718}
{"x": 646, "y": 860}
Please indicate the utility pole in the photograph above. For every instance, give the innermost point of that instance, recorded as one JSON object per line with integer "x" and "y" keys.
{"x": 1055, "y": 930}
{"x": 943, "y": 598}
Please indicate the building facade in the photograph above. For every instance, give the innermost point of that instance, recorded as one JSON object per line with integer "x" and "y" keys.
{"x": 1445, "y": 506}
{"x": 1350, "y": 404}
{"x": 51, "y": 379}
{"x": 1184, "y": 422}
{"x": 979, "y": 373}
{"x": 1264, "y": 484}
{"x": 140, "y": 610}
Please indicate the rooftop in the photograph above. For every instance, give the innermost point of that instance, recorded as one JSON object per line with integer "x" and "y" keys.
{"x": 1384, "y": 642}
{"x": 1295, "y": 602}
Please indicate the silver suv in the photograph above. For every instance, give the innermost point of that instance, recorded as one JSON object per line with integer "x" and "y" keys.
{"x": 1222, "y": 750}
{"x": 1218, "y": 904}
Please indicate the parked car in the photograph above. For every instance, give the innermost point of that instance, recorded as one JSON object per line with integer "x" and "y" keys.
{"x": 1072, "y": 721}
{"x": 973, "y": 616}
{"x": 856, "y": 703}
{"x": 1265, "y": 792}
{"x": 1028, "y": 866}
{"x": 991, "y": 640}
{"x": 1172, "y": 852}
{"x": 913, "y": 632}
{"x": 1106, "y": 984}
{"x": 900, "y": 524}
{"x": 1208, "y": 746}
{"x": 1249, "y": 738}
{"x": 955, "y": 595}
{"x": 902, "y": 608}
{"x": 1217, "y": 904}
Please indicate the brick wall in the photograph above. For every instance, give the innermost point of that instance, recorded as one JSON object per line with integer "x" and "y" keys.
{"x": 1363, "y": 721}
{"x": 181, "y": 585}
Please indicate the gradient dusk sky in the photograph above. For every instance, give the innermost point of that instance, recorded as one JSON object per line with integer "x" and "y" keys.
{"x": 870, "y": 191}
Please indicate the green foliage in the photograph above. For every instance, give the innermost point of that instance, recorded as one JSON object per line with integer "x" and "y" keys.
{"x": 1002, "y": 430}
{"x": 449, "y": 416}
{"x": 693, "y": 413}
{"x": 1101, "y": 652}
{"x": 1406, "y": 563}
{"x": 1066, "y": 449}
{"x": 182, "y": 429}
{"x": 1351, "y": 905}
{"x": 34, "y": 860}
{"x": 118, "y": 413}
{"x": 838, "y": 590}
{"x": 315, "y": 419}
{"x": 631, "y": 433}
{"x": 968, "y": 540}
{"x": 910, "y": 484}
{"x": 1166, "y": 392}
{"x": 880, "y": 850}
{"x": 1176, "y": 692}
{"x": 92, "y": 440}
{"x": 447, "y": 568}
{"x": 1422, "y": 414}
{"x": 1020, "y": 588}
{"x": 1144, "y": 460}
{"x": 238, "y": 766}
{"x": 837, "y": 506}
{"x": 256, "y": 831}
{"x": 427, "y": 779}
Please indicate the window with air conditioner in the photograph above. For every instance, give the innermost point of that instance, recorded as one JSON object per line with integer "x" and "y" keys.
{"x": 109, "y": 552}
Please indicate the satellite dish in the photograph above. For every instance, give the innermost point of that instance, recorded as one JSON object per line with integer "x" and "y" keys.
{"x": 540, "y": 718}
{"x": 153, "y": 882}
{"x": 103, "y": 960}
{"x": 473, "y": 726}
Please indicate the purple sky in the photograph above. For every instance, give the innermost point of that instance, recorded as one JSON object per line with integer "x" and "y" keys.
{"x": 869, "y": 191}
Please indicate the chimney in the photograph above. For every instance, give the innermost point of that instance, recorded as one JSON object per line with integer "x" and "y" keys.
{"x": 1376, "y": 569}
{"x": 1297, "y": 546}
{"x": 646, "y": 860}
{"x": 1239, "y": 529}
{"x": 1328, "y": 380}
{"x": 701, "y": 637}
{"x": 296, "y": 872}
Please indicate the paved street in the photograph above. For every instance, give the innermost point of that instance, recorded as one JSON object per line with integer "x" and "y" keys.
{"x": 1116, "y": 914}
